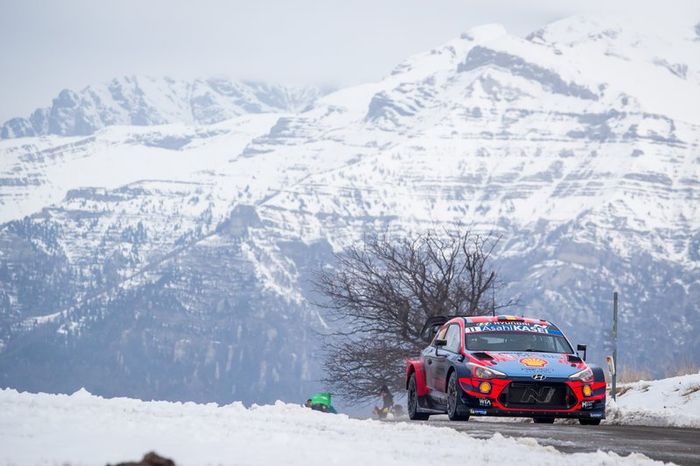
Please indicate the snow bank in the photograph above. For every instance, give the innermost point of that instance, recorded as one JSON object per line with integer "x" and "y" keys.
{"x": 86, "y": 429}
{"x": 666, "y": 402}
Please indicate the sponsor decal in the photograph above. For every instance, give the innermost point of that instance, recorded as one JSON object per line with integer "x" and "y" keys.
{"x": 538, "y": 370}
{"x": 533, "y": 362}
{"x": 510, "y": 327}
{"x": 503, "y": 357}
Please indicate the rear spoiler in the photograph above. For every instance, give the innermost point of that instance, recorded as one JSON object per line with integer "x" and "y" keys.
{"x": 432, "y": 324}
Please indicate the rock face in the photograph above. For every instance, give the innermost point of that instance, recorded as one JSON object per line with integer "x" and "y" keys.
{"x": 145, "y": 101}
{"x": 186, "y": 275}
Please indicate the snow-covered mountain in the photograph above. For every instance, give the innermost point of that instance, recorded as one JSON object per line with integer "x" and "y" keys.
{"x": 173, "y": 261}
{"x": 147, "y": 101}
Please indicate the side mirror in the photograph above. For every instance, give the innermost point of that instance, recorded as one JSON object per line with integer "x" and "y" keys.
{"x": 581, "y": 348}
{"x": 439, "y": 343}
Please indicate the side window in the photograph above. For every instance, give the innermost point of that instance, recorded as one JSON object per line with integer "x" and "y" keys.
{"x": 453, "y": 338}
{"x": 440, "y": 335}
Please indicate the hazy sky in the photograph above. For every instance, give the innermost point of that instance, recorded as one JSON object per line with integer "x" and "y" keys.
{"x": 46, "y": 46}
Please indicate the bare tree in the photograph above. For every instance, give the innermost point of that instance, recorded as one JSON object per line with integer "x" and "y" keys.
{"x": 381, "y": 292}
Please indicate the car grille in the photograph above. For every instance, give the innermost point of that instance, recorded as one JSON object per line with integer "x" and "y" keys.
{"x": 537, "y": 395}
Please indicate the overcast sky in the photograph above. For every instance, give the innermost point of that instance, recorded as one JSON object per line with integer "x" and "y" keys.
{"x": 46, "y": 46}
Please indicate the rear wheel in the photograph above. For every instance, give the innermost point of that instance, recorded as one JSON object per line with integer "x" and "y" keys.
{"x": 589, "y": 422}
{"x": 543, "y": 420}
{"x": 456, "y": 411}
{"x": 413, "y": 413}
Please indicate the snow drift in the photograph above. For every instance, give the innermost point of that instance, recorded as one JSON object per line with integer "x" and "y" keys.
{"x": 668, "y": 402}
{"x": 86, "y": 429}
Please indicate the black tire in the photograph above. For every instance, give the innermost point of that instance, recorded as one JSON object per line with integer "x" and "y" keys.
{"x": 589, "y": 422}
{"x": 456, "y": 411}
{"x": 543, "y": 420}
{"x": 412, "y": 401}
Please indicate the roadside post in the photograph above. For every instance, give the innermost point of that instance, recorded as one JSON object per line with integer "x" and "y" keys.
{"x": 614, "y": 342}
{"x": 611, "y": 367}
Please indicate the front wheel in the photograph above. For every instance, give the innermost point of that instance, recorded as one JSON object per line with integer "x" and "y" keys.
{"x": 456, "y": 411}
{"x": 413, "y": 412}
{"x": 589, "y": 422}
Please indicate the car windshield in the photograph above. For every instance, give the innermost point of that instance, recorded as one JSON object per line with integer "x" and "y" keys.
{"x": 517, "y": 341}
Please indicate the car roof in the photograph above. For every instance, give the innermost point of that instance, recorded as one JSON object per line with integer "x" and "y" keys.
{"x": 505, "y": 318}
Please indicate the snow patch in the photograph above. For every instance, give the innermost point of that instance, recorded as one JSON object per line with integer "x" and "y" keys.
{"x": 85, "y": 429}
{"x": 668, "y": 402}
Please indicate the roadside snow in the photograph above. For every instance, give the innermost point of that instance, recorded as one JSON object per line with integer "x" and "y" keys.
{"x": 667, "y": 402}
{"x": 86, "y": 429}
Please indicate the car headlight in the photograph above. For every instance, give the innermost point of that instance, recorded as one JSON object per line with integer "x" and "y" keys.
{"x": 586, "y": 375}
{"x": 485, "y": 373}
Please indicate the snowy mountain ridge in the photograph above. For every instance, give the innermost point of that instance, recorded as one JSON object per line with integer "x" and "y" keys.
{"x": 181, "y": 254}
{"x": 147, "y": 101}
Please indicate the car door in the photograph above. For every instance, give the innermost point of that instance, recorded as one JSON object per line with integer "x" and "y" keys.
{"x": 446, "y": 356}
{"x": 431, "y": 358}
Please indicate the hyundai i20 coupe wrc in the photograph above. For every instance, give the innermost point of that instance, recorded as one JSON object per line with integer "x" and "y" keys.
{"x": 503, "y": 366}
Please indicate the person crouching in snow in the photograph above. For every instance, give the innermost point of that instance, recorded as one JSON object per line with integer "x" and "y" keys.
{"x": 387, "y": 402}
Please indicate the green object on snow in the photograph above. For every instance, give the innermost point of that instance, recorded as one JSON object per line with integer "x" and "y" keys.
{"x": 322, "y": 398}
{"x": 322, "y": 402}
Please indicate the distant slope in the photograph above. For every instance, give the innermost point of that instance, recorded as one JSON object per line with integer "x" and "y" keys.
{"x": 38, "y": 172}
{"x": 147, "y": 101}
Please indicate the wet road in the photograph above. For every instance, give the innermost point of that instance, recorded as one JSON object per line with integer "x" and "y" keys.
{"x": 681, "y": 446}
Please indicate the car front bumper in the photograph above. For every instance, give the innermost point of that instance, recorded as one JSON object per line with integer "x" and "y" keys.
{"x": 496, "y": 402}
{"x": 580, "y": 414}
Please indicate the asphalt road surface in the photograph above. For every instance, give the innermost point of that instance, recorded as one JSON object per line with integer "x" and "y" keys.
{"x": 681, "y": 446}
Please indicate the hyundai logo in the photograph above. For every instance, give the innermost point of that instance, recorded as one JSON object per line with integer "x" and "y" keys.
{"x": 539, "y": 376}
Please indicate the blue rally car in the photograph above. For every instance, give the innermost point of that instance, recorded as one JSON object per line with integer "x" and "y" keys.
{"x": 503, "y": 366}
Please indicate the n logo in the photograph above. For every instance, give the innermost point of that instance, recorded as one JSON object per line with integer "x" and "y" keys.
{"x": 540, "y": 395}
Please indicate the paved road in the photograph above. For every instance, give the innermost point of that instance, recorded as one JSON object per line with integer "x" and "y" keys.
{"x": 681, "y": 446}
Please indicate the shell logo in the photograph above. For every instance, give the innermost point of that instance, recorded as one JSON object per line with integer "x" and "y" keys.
{"x": 533, "y": 362}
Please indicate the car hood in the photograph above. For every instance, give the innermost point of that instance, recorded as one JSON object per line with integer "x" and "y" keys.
{"x": 526, "y": 364}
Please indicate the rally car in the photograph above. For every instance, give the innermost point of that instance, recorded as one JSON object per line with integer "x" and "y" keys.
{"x": 503, "y": 366}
